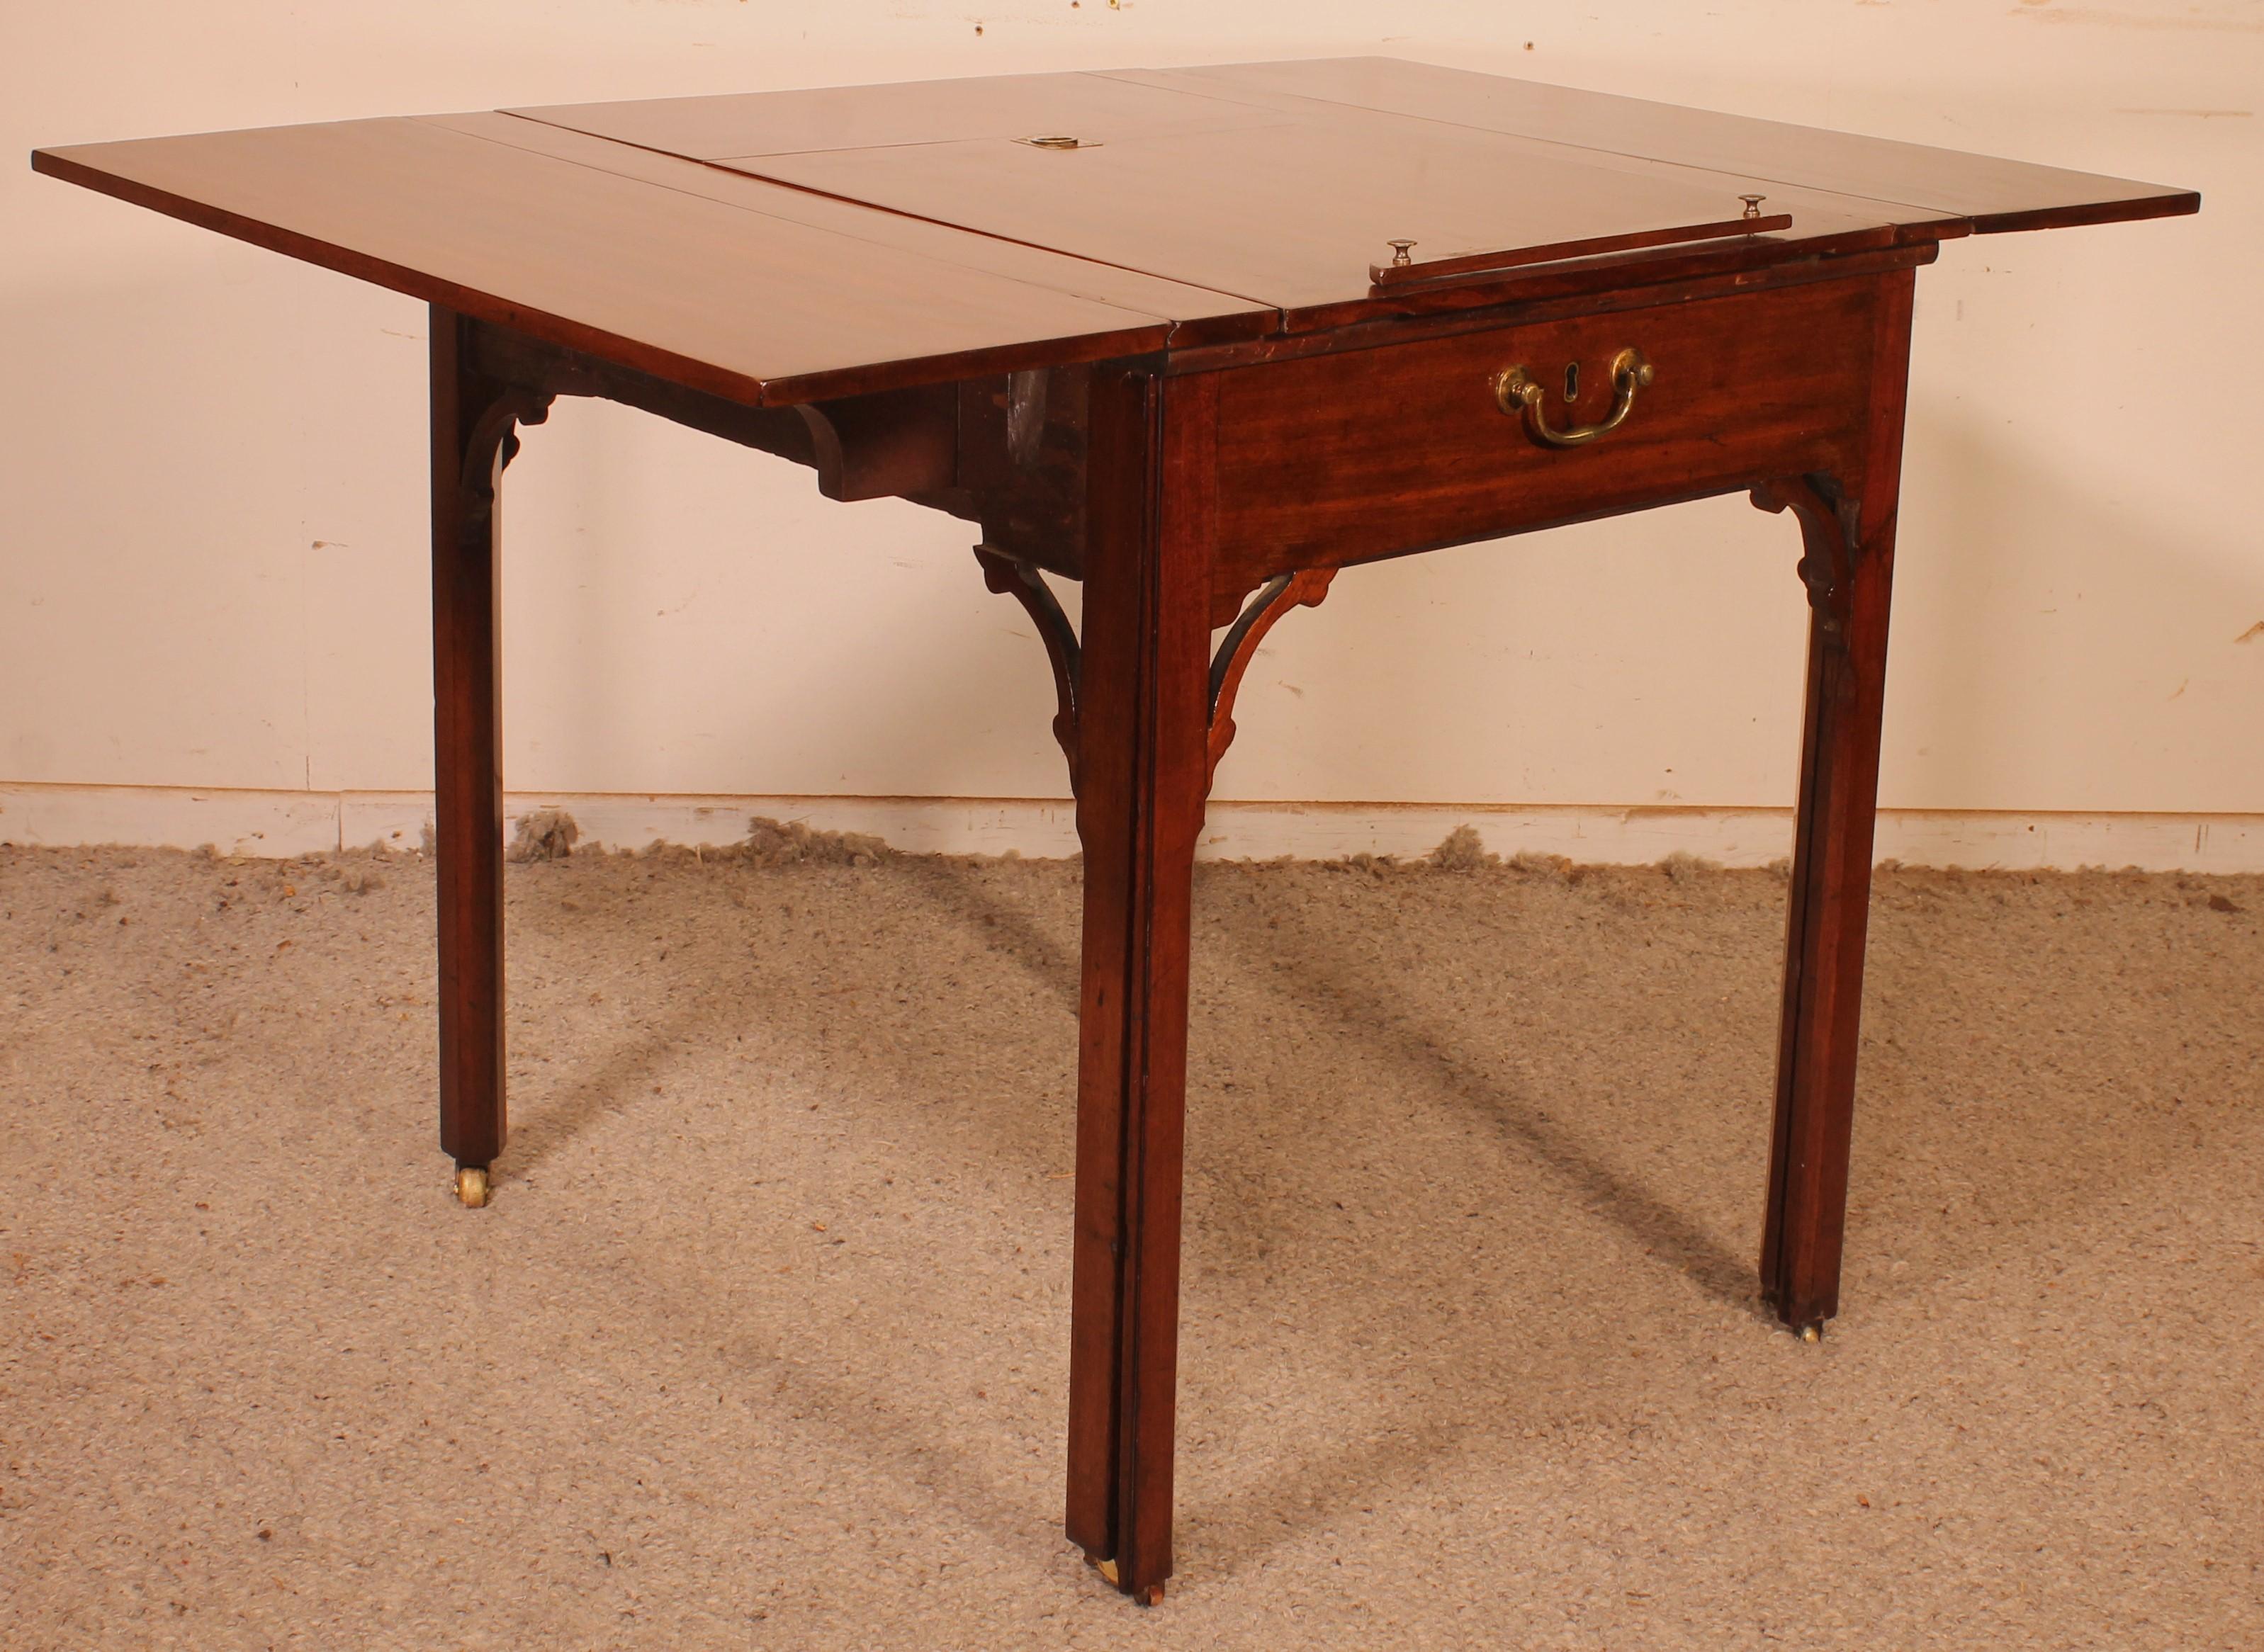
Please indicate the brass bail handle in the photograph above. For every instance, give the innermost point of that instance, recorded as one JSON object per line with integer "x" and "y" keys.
{"x": 1519, "y": 393}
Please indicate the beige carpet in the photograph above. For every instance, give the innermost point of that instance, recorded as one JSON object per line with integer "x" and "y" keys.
{"x": 761, "y": 1342}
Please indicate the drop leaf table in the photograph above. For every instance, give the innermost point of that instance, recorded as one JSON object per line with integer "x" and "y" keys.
{"x": 1197, "y": 339}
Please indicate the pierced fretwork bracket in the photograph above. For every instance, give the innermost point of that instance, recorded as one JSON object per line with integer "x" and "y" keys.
{"x": 1026, "y": 585}
{"x": 1302, "y": 589}
{"x": 1829, "y": 542}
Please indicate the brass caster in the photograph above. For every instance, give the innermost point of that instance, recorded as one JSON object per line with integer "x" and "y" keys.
{"x": 1150, "y": 1595}
{"x": 472, "y": 1185}
{"x": 1812, "y": 1333}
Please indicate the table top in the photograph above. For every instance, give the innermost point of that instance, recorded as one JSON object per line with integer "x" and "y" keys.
{"x": 780, "y": 247}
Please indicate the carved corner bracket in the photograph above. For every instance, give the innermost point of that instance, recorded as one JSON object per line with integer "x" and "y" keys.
{"x": 1021, "y": 580}
{"x": 1830, "y": 540}
{"x": 1026, "y": 585}
{"x": 1303, "y": 589}
{"x": 490, "y": 439}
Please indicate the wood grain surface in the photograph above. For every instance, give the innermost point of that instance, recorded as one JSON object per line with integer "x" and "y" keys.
{"x": 725, "y": 285}
{"x": 1994, "y": 194}
{"x": 1345, "y": 457}
{"x": 1293, "y": 213}
{"x": 775, "y": 248}
{"x": 1098, "y": 107}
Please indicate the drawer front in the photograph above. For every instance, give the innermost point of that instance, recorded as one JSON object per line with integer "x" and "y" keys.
{"x": 1367, "y": 453}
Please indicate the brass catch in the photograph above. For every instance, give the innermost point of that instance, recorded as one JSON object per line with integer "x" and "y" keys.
{"x": 1405, "y": 270}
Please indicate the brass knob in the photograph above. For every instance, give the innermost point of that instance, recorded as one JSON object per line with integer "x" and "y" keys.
{"x": 1753, "y": 205}
{"x": 1399, "y": 251}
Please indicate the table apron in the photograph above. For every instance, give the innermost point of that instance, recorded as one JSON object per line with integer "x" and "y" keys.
{"x": 1352, "y": 457}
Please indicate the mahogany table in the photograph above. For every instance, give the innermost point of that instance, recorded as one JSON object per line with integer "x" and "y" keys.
{"x": 1198, "y": 338}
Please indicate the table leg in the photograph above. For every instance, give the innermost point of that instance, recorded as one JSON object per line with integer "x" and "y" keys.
{"x": 1143, "y": 772}
{"x": 473, "y": 438}
{"x": 1847, "y": 534}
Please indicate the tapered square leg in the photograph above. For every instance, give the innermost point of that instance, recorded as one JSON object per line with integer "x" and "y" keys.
{"x": 1143, "y": 773}
{"x": 1848, "y": 530}
{"x": 473, "y": 420}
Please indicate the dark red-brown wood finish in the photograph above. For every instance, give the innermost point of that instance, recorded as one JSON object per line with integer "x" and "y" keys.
{"x": 1142, "y": 766}
{"x": 1846, "y": 520}
{"x": 474, "y": 432}
{"x": 1142, "y": 330}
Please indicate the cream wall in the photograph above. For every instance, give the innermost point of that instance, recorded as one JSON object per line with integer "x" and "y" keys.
{"x": 212, "y": 567}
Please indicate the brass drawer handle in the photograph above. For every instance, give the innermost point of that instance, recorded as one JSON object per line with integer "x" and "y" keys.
{"x": 1519, "y": 393}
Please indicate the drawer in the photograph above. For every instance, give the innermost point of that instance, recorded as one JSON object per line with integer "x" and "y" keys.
{"x": 1345, "y": 457}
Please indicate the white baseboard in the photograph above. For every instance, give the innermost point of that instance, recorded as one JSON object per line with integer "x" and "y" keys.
{"x": 285, "y": 823}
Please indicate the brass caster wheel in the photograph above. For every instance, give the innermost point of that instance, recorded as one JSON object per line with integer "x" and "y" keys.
{"x": 1812, "y": 1333}
{"x": 1149, "y": 1597}
{"x": 472, "y": 1185}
